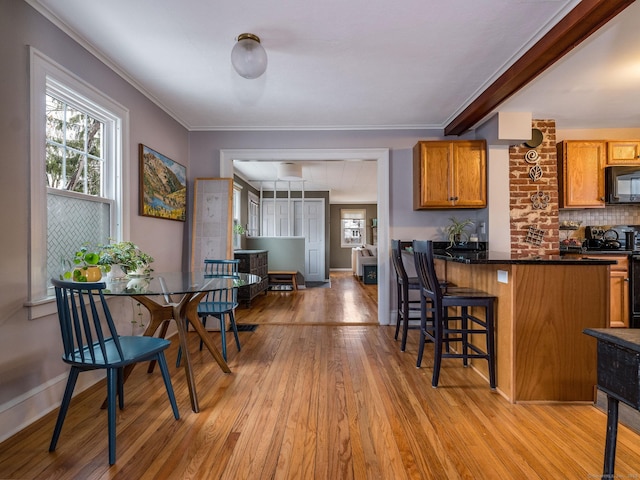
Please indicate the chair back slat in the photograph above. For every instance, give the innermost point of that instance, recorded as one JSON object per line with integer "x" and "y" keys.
{"x": 426, "y": 270}
{"x": 86, "y": 324}
{"x": 397, "y": 246}
{"x": 222, "y": 268}
{"x": 396, "y": 256}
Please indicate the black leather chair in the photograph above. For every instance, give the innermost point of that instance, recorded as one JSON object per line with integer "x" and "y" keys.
{"x": 404, "y": 284}
{"x": 443, "y": 328}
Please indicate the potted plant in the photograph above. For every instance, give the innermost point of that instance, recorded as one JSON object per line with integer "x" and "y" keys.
{"x": 456, "y": 231}
{"x": 239, "y": 231}
{"x": 128, "y": 256}
{"x": 84, "y": 266}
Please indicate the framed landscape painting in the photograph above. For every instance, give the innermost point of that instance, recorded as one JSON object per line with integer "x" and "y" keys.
{"x": 163, "y": 186}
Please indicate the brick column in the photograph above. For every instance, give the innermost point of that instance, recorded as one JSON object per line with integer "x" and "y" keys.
{"x": 523, "y": 214}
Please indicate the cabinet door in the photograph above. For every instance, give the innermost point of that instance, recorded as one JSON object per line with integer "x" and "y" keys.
{"x": 623, "y": 152}
{"x": 581, "y": 168}
{"x": 449, "y": 174}
{"x": 619, "y": 307}
{"x": 618, "y": 289}
{"x": 432, "y": 183}
{"x": 469, "y": 174}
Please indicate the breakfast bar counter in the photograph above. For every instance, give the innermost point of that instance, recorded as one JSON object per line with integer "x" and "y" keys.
{"x": 543, "y": 305}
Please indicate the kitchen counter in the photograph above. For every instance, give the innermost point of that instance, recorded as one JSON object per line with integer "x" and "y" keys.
{"x": 489, "y": 257}
{"x": 543, "y": 305}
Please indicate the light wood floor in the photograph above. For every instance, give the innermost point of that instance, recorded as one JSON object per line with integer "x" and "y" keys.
{"x": 319, "y": 391}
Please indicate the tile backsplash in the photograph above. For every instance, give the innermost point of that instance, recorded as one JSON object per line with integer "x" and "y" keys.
{"x": 611, "y": 215}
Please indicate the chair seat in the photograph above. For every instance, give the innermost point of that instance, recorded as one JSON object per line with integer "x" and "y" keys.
{"x": 212, "y": 308}
{"x": 462, "y": 293}
{"x": 135, "y": 349}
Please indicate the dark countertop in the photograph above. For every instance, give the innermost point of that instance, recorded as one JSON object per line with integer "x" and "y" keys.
{"x": 489, "y": 257}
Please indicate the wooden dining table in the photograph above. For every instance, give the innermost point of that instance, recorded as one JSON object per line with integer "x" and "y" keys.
{"x": 157, "y": 291}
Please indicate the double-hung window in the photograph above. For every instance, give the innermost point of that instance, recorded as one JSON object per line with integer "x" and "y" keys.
{"x": 237, "y": 219}
{"x": 77, "y": 144}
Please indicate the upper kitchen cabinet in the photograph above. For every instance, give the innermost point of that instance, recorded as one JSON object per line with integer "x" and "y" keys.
{"x": 620, "y": 152}
{"x": 581, "y": 173}
{"x": 449, "y": 174}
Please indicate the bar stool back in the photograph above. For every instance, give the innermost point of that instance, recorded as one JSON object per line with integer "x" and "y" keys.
{"x": 404, "y": 283}
{"x": 442, "y": 327}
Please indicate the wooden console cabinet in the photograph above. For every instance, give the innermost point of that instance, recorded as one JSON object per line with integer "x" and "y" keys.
{"x": 257, "y": 263}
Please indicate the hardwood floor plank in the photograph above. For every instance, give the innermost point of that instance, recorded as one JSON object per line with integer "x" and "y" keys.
{"x": 319, "y": 392}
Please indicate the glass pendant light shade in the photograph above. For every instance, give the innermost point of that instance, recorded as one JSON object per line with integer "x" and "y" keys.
{"x": 290, "y": 171}
{"x": 248, "y": 56}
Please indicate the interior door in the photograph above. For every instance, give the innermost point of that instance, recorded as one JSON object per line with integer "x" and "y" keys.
{"x": 311, "y": 226}
{"x": 275, "y": 219}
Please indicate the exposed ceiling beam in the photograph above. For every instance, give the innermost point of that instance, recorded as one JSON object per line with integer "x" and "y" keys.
{"x": 587, "y": 17}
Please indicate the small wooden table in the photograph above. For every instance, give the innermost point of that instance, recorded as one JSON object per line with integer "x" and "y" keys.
{"x": 619, "y": 378}
{"x": 284, "y": 277}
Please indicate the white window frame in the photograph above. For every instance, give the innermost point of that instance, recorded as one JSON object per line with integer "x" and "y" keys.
{"x": 237, "y": 218}
{"x": 46, "y": 74}
{"x": 348, "y": 215}
{"x": 253, "y": 215}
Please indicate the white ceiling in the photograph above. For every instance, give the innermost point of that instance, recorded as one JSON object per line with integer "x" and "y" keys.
{"x": 360, "y": 64}
{"x": 348, "y": 181}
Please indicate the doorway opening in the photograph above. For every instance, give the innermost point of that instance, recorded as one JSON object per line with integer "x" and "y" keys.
{"x": 379, "y": 155}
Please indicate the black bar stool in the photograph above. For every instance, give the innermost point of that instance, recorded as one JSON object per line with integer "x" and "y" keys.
{"x": 442, "y": 328}
{"x": 404, "y": 283}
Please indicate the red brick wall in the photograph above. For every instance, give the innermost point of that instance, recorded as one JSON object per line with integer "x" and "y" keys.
{"x": 522, "y": 212}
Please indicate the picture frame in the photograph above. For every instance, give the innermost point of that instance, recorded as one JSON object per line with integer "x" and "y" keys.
{"x": 163, "y": 186}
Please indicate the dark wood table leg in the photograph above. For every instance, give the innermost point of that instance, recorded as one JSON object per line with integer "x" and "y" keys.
{"x": 159, "y": 315}
{"x": 190, "y": 313}
{"x": 612, "y": 434}
{"x": 183, "y": 311}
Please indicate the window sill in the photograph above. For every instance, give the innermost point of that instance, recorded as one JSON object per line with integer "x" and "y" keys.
{"x": 42, "y": 308}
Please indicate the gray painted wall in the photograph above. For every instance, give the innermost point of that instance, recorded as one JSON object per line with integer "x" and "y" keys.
{"x": 285, "y": 253}
{"x": 30, "y": 368}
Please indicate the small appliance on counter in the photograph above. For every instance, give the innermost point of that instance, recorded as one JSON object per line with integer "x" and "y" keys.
{"x": 612, "y": 239}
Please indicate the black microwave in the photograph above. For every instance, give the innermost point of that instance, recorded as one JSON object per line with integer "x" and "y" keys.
{"x": 622, "y": 185}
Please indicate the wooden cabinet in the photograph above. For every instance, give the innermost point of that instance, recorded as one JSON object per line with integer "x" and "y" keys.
{"x": 449, "y": 174}
{"x": 581, "y": 173}
{"x": 618, "y": 290}
{"x": 257, "y": 263}
{"x": 621, "y": 152}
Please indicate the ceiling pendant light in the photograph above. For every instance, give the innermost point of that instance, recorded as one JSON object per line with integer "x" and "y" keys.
{"x": 290, "y": 172}
{"x": 248, "y": 56}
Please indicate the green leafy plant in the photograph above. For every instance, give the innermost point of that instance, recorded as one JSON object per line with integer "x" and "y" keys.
{"x": 128, "y": 255}
{"x": 456, "y": 230}
{"x": 239, "y": 229}
{"x": 81, "y": 267}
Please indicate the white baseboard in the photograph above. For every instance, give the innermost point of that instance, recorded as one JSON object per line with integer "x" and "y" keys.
{"x": 25, "y": 409}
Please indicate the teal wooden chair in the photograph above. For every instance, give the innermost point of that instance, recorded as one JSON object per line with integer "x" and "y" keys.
{"x": 219, "y": 304}
{"x": 91, "y": 342}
